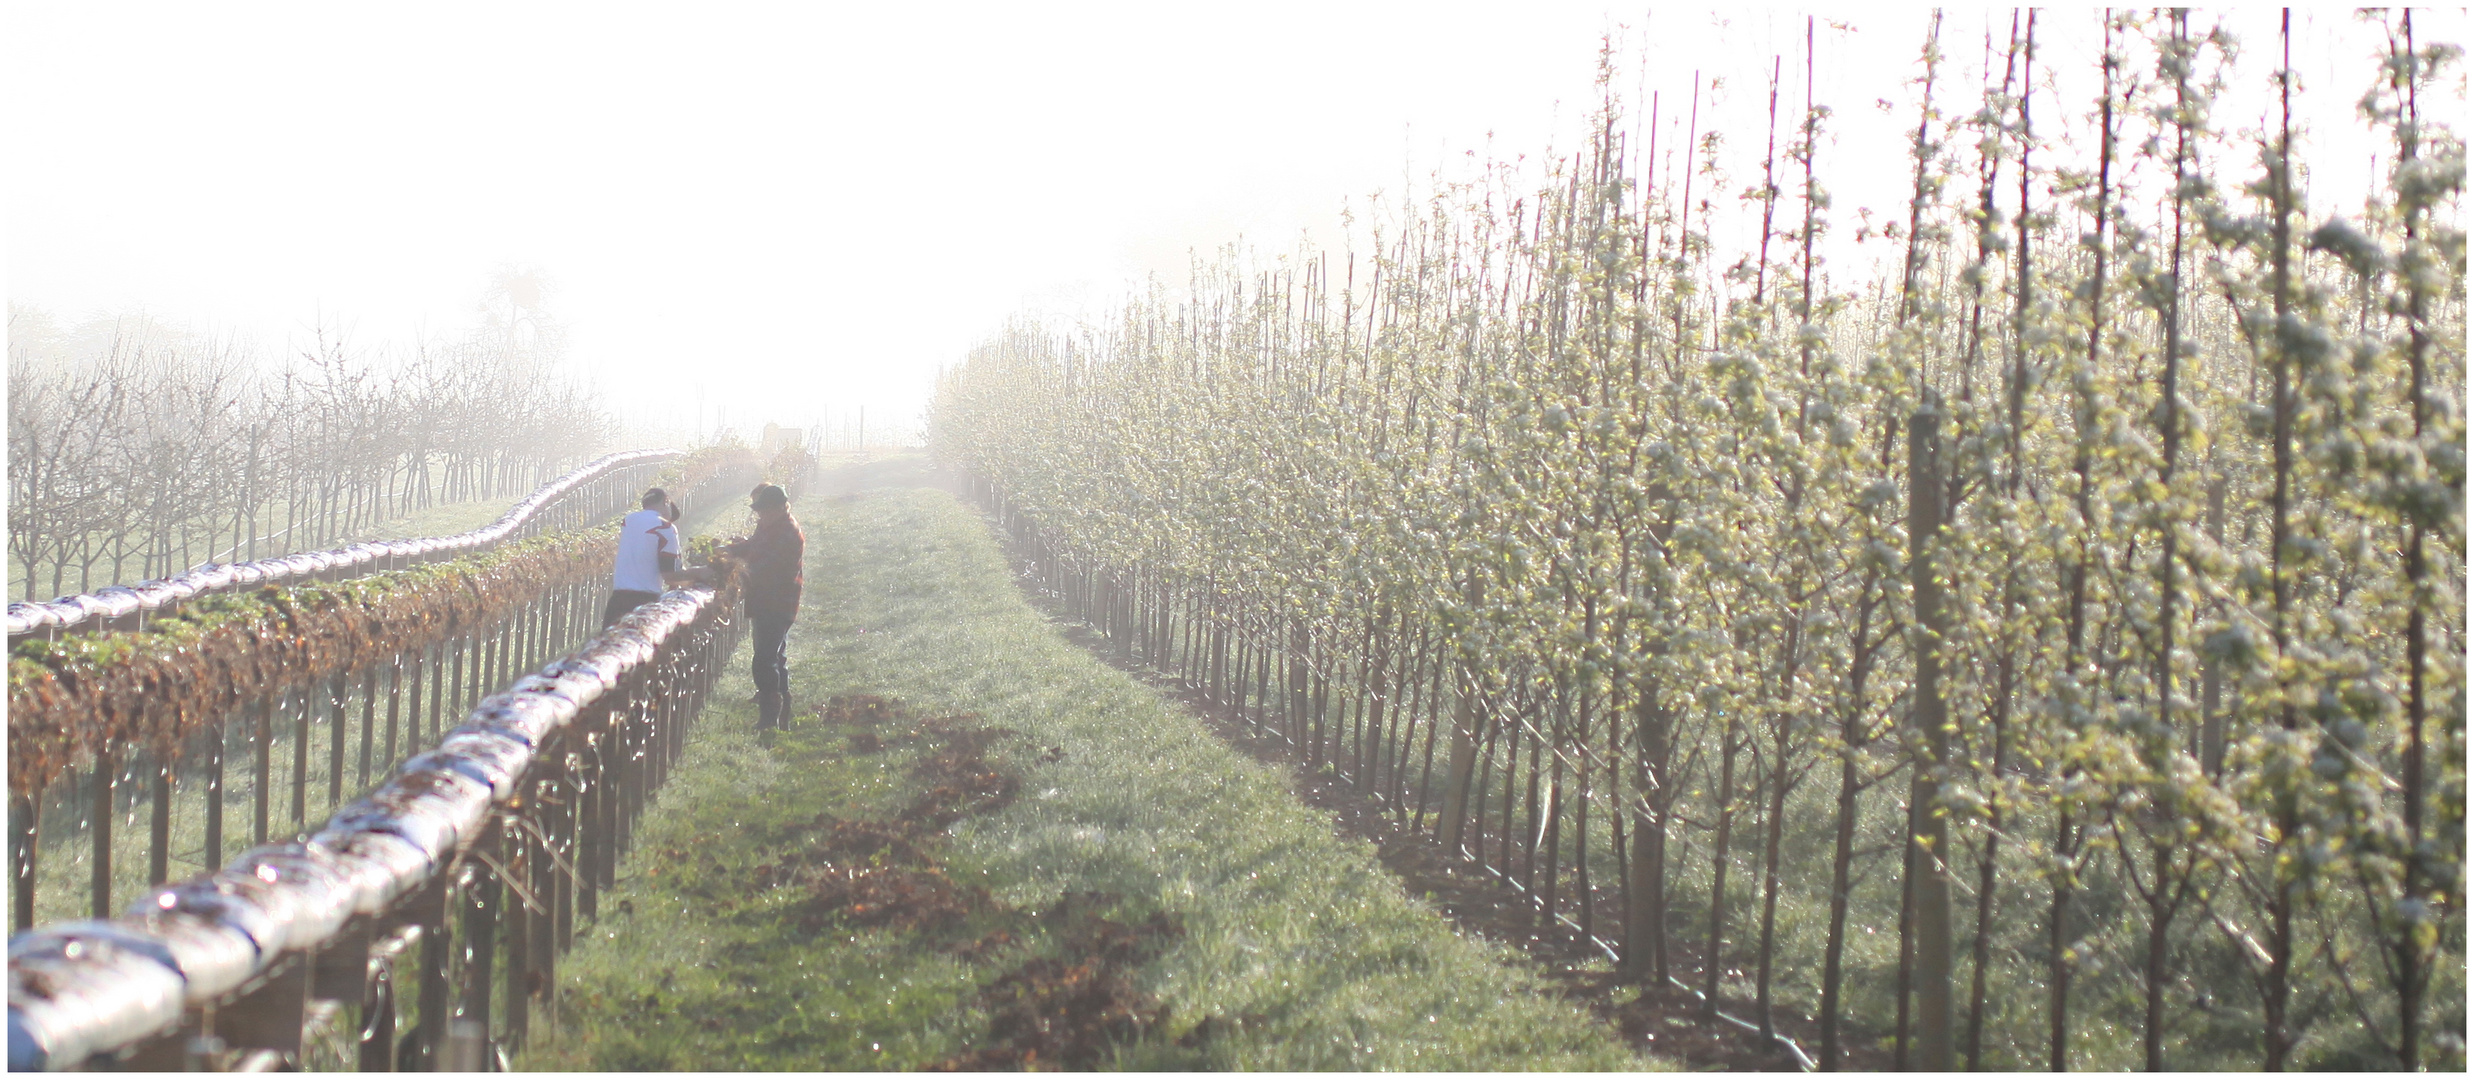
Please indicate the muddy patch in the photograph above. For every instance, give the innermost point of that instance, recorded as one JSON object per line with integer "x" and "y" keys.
{"x": 1064, "y": 994}
{"x": 1069, "y": 1011}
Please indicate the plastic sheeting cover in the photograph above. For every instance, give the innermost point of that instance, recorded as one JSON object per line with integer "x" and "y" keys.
{"x": 323, "y": 896}
{"x": 85, "y": 996}
{"x": 385, "y": 867}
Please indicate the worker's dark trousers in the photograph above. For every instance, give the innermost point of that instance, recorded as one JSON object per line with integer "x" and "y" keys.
{"x": 771, "y": 663}
{"x": 623, "y": 601}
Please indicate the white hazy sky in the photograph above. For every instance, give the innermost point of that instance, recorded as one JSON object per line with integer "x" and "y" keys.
{"x": 785, "y": 211}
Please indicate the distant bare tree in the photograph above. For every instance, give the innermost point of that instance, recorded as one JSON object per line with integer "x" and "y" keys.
{"x": 143, "y": 453}
{"x": 59, "y": 433}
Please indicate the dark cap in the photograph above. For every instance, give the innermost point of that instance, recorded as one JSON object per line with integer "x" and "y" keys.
{"x": 767, "y": 495}
{"x": 654, "y": 497}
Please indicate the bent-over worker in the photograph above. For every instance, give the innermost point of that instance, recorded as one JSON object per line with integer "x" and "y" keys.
{"x": 648, "y": 546}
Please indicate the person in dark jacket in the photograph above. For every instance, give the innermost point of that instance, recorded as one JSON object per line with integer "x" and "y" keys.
{"x": 772, "y": 557}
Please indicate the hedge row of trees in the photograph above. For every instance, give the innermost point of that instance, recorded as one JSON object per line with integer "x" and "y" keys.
{"x": 2060, "y": 632}
{"x": 151, "y": 453}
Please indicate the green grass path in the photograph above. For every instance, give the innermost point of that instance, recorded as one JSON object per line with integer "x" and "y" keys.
{"x": 1305, "y": 951}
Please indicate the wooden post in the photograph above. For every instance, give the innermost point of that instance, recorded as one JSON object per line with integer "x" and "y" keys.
{"x": 159, "y": 838}
{"x": 212, "y": 855}
{"x": 369, "y": 724}
{"x": 522, "y": 863}
{"x": 395, "y": 705}
{"x": 25, "y": 835}
{"x": 470, "y": 1030}
{"x": 542, "y": 936}
{"x": 592, "y": 836}
{"x": 341, "y": 709}
{"x": 419, "y": 1050}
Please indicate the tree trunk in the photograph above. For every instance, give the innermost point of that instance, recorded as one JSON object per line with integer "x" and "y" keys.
{"x": 1773, "y": 830}
{"x": 1842, "y": 857}
{"x": 1933, "y": 923}
{"x": 1986, "y": 868}
{"x": 1462, "y": 769}
{"x": 1712, "y": 966}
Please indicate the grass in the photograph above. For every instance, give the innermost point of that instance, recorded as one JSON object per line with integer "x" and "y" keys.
{"x": 1297, "y": 952}
{"x": 444, "y": 519}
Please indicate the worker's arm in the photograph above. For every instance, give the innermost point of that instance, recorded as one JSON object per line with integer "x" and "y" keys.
{"x": 757, "y": 548}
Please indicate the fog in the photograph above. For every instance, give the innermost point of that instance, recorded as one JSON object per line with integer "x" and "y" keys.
{"x": 790, "y": 212}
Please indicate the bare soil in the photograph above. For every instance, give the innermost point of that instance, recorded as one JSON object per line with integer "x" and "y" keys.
{"x": 1065, "y": 1010}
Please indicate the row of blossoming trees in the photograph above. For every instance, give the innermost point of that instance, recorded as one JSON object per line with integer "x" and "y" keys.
{"x": 2046, "y": 653}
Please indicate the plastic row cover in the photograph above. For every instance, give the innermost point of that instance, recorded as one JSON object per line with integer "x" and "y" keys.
{"x": 82, "y": 988}
{"x": 120, "y": 600}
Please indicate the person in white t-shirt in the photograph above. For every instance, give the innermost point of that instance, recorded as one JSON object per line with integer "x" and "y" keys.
{"x": 648, "y": 546}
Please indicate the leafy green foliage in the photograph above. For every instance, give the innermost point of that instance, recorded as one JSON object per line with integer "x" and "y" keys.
{"x": 1646, "y": 517}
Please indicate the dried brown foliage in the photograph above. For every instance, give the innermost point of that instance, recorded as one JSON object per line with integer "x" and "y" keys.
{"x": 71, "y": 698}
{"x": 150, "y": 690}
